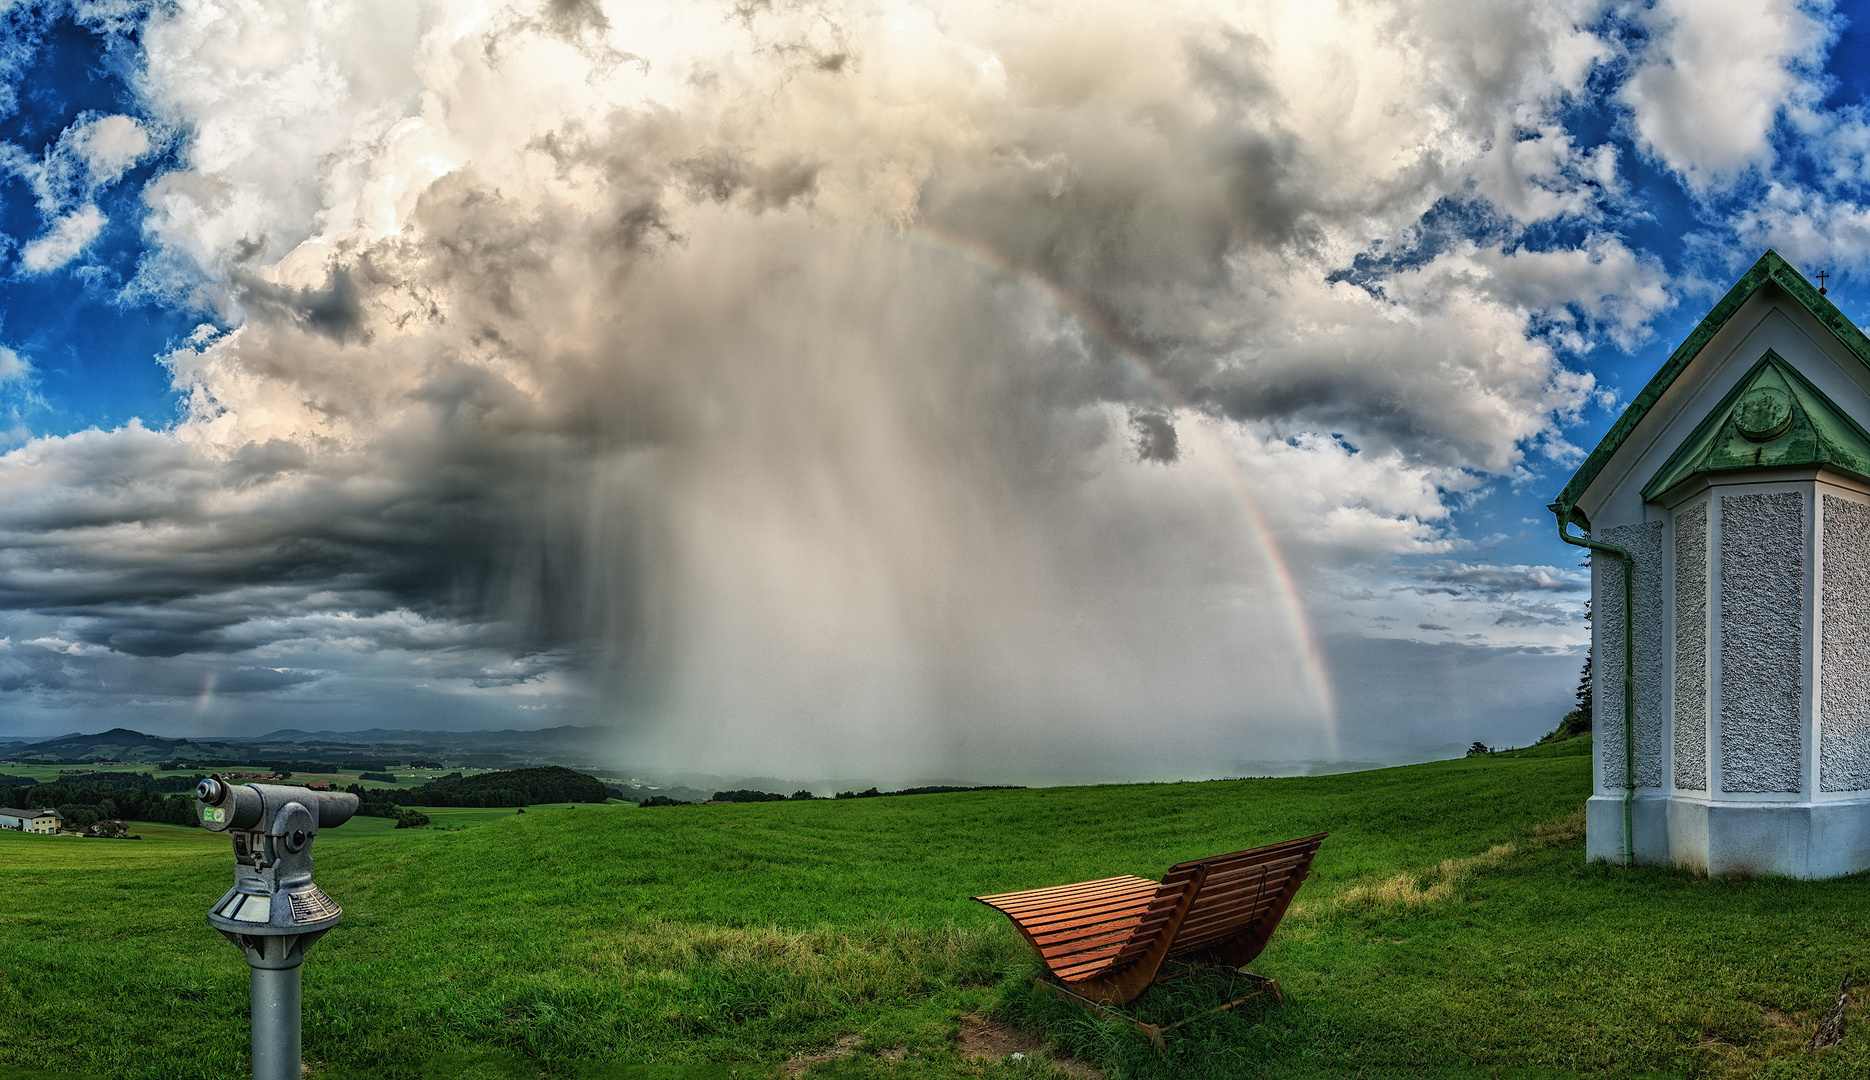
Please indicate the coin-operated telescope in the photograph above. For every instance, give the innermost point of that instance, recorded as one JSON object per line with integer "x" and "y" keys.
{"x": 274, "y": 912}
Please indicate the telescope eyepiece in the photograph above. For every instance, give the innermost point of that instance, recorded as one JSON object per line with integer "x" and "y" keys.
{"x": 212, "y": 791}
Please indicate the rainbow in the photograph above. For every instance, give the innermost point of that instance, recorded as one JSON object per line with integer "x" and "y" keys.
{"x": 205, "y": 697}
{"x": 1311, "y": 659}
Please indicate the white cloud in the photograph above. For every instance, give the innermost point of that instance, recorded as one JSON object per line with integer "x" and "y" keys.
{"x": 1539, "y": 175}
{"x": 12, "y": 365}
{"x": 1717, "y": 76}
{"x": 66, "y": 240}
{"x": 108, "y": 146}
{"x": 1617, "y": 290}
{"x": 87, "y": 157}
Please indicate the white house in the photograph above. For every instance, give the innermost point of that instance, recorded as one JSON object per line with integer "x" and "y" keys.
{"x": 1737, "y": 486}
{"x": 33, "y": 821}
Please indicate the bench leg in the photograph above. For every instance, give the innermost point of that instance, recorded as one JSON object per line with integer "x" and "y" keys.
{"x": 1155, "y": 1032}
{"x": 1104, "y": 1011}
{"x": 1266, "y": 986}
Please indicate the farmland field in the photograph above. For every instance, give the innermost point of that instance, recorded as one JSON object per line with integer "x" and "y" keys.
{"x": 1451, "y": 928}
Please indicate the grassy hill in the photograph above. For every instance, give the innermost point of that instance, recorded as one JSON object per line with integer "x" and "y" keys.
{"x": 121, "y": 744}
{"x": 1451, "y": 928}
{"x": 510, "y": 788}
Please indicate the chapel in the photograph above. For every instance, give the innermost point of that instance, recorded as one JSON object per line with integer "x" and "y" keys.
{"x": 1728, "y": 516}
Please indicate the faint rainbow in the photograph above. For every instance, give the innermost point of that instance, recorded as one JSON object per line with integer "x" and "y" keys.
{"x": 1311, "y": 658}
{"x": 206, "y": 697}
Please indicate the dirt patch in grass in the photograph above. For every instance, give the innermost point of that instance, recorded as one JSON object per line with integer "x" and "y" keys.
{"x": 984, "y": 1038}
{"x": 1783, "y": 1037}
{"x": 843, "y": 1048}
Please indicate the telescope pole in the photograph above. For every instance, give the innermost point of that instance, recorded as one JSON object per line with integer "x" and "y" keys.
{"x": 274, "y": 912}
{"x": 275, "y": 1007}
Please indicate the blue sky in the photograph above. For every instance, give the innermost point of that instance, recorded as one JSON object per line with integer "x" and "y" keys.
{"x": 95, "y": 352}
{"x": 520, "y": 371}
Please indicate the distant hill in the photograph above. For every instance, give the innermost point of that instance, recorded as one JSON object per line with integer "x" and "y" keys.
{"x": 556, "y": 738}
{"x": 514, "y": 787}
{"x": 486, "y": 748}
{"x": 122, "y": 744}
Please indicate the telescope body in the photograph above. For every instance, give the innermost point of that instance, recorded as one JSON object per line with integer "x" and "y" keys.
{"x": 274, "y": 911}
{"x": 273, "y": 893}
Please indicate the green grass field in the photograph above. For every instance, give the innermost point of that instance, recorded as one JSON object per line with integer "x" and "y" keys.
{"x": 51, "y": 774}
{"x": 1450, "y": 928}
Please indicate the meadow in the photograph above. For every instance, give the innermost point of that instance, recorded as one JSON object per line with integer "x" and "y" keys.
{"x": 1450, "y": 928}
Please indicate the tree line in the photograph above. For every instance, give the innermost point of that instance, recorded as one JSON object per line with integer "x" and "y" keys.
{"x": 516, "y": 787}
{"x": 748, "y": 795}
{"x": 88, "y": 803}
{"x": 142, "y": 797}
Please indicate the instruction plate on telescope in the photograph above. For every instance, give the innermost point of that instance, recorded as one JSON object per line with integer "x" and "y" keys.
{"x": 312, "y": 905}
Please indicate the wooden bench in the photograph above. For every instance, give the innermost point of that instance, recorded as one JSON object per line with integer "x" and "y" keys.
{"x": 1106, "y": 941}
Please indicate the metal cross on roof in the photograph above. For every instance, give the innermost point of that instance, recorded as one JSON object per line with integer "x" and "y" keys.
{"x": 1822, "y": 275}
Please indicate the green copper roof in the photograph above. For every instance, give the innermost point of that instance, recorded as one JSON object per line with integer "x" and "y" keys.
{"x": 1772, "y": 418}
{"x": 1770, "y": 268}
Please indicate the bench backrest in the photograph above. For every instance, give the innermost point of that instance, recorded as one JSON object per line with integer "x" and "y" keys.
{"x": 1245, "y": 894}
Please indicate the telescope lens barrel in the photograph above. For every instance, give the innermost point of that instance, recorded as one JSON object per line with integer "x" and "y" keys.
{"x": 334, "y": 808}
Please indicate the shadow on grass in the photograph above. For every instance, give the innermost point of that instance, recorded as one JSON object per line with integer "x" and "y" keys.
{"x": 1257, "y": 1038}
{"x": 511, "y": 1067}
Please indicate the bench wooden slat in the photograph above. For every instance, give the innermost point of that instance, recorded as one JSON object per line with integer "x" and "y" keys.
{"x": 1060, "y": 934}
{"x": 1108, "y": 942}
{"x": 1038, "y": 910}
{"x": 1108, "y": 938}
{"x": 1066, "y": 938}
{"x": 1056, "y": 927}
{"x": 1082, "y": 887}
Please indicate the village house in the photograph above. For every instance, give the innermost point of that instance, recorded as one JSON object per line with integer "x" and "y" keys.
{"x": 33, "y": 821}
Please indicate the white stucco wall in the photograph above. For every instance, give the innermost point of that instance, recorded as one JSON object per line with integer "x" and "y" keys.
{"x": 1844, "y": 714}
{"x": 1762, "y": 640}
{"x": 1644, "y": 542}
{"x": 1691, "y": 647}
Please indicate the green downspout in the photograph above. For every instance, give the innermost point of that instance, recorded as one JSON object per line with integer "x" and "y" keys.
{"x": 1629, "y": 673}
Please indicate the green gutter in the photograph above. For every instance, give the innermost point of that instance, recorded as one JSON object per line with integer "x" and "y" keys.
{"x": 1563, "y": 511}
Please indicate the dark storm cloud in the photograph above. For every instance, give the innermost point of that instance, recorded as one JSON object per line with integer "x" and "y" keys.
{"x": 718, "y": 174}
{"x": 30, "y": 666}
{"x": 336, "y": 310}
{"x": 159, "y": 554}
{"x": 1155, "y": 436}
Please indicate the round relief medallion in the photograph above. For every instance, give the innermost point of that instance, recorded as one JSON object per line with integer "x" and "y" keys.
{"x": 1764, "y": 413}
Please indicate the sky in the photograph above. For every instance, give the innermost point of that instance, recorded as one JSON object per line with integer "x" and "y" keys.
{"x": 1000, "y": 391}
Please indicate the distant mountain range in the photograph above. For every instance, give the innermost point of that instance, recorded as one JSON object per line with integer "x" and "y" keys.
{"x": 504, "y": 739}
{"x": 123, "y": 744}
{"x": 589, "y": 749}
